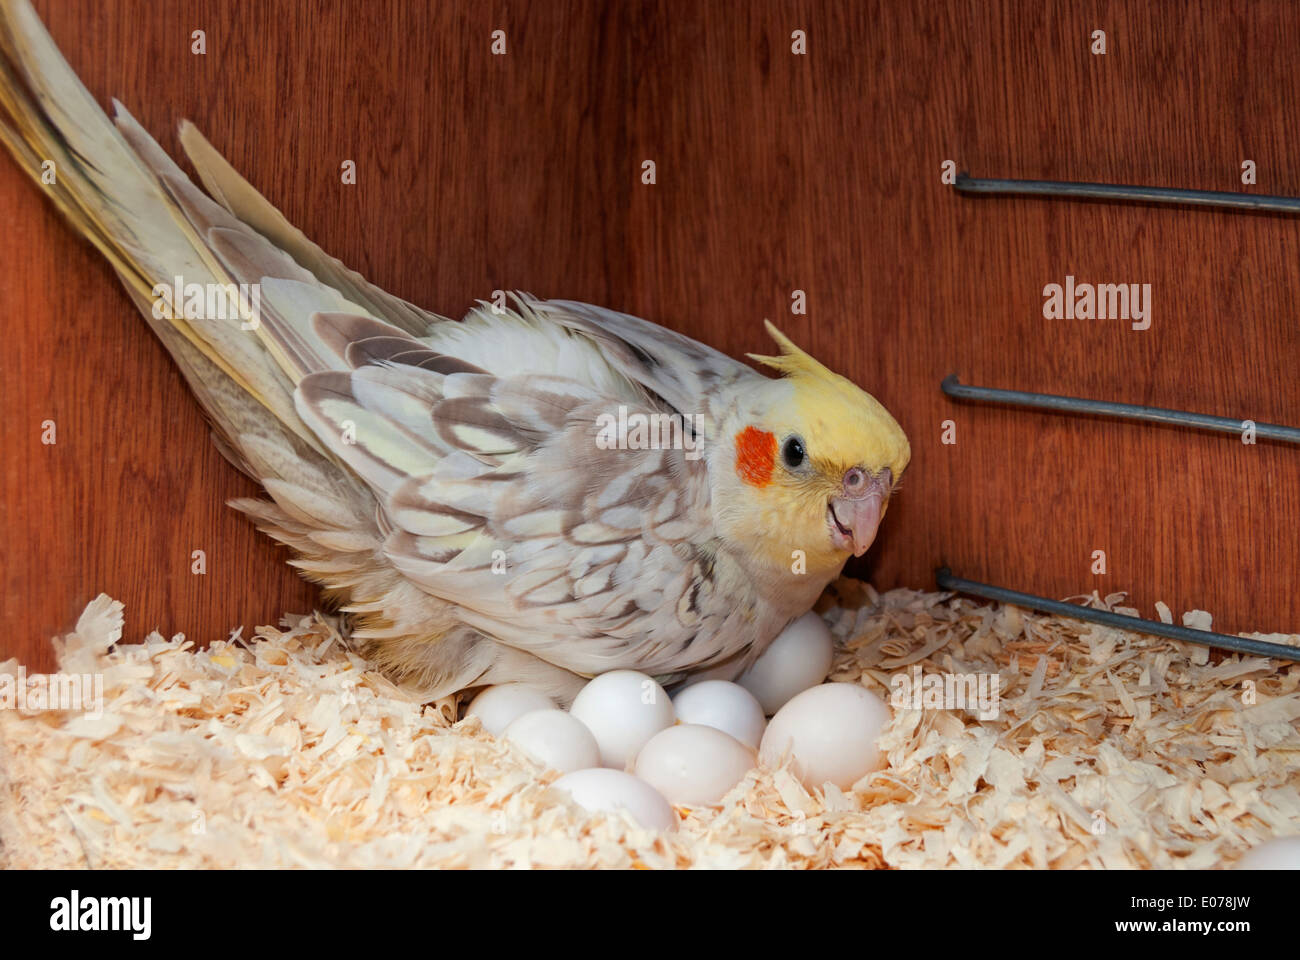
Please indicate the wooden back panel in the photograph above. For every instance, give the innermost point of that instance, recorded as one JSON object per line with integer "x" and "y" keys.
{"x": 774, "y": 173}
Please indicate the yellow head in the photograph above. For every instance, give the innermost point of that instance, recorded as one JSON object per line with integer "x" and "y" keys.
{"x": 806, "y": 464}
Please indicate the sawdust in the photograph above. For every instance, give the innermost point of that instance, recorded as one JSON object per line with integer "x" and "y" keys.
{"x": 1109, "y": 749}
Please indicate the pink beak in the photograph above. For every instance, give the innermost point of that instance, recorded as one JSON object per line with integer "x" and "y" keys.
{"x": 855, "y": 515}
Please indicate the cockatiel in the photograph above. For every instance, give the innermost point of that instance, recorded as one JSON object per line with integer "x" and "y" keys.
{"x": 471, "y": 493}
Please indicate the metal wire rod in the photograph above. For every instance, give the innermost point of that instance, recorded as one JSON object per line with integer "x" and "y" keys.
{"x": 1207, "y": 638}
{"x": 1125, "y": 192}
{"x": 1129, "y": 411}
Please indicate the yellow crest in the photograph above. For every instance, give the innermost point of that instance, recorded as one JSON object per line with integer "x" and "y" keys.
{"x": 793, "y": 362}
{"x": 848, "y": 424}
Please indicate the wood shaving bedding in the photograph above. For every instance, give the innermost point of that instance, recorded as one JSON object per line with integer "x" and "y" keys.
{"x": 1109, "y": 749}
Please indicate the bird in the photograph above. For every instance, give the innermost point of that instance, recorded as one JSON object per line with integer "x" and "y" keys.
{"x": 539, "y": 493}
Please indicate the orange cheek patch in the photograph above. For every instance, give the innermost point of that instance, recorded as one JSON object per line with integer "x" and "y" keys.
{"x": 755, "y": 455}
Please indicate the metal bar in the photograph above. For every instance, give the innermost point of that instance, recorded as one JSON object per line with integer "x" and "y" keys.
{"x": 1207, "y": 638}
{"x": 1129, "y": 411}
{"x": 1125, "y": 192}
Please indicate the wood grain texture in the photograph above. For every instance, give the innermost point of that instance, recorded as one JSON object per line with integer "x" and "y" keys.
{"x": 775, "y": 172}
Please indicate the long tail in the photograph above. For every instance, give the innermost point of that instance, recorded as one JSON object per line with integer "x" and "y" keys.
{"x": 312, "y": 315}
{"x": 118, "y": 188}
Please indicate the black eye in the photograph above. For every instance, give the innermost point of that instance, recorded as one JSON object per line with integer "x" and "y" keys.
{"x": 792, "y": 452}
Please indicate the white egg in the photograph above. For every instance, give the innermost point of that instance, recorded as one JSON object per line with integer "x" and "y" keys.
{"x": 497, "y": 706}
{"x": 554, "y": 739}
{"x": 800, "y": 657}
{"x": 599, "y": 790}
{"x": 1280, "y": 853}
{"x": 623, "y": 709}
{"x": 831, "y": 732}
{"x": 694, "y": 765}
{"x": 728, "y": 707}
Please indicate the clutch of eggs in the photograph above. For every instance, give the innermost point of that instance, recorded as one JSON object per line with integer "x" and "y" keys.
{"x": 625, "y": 745}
